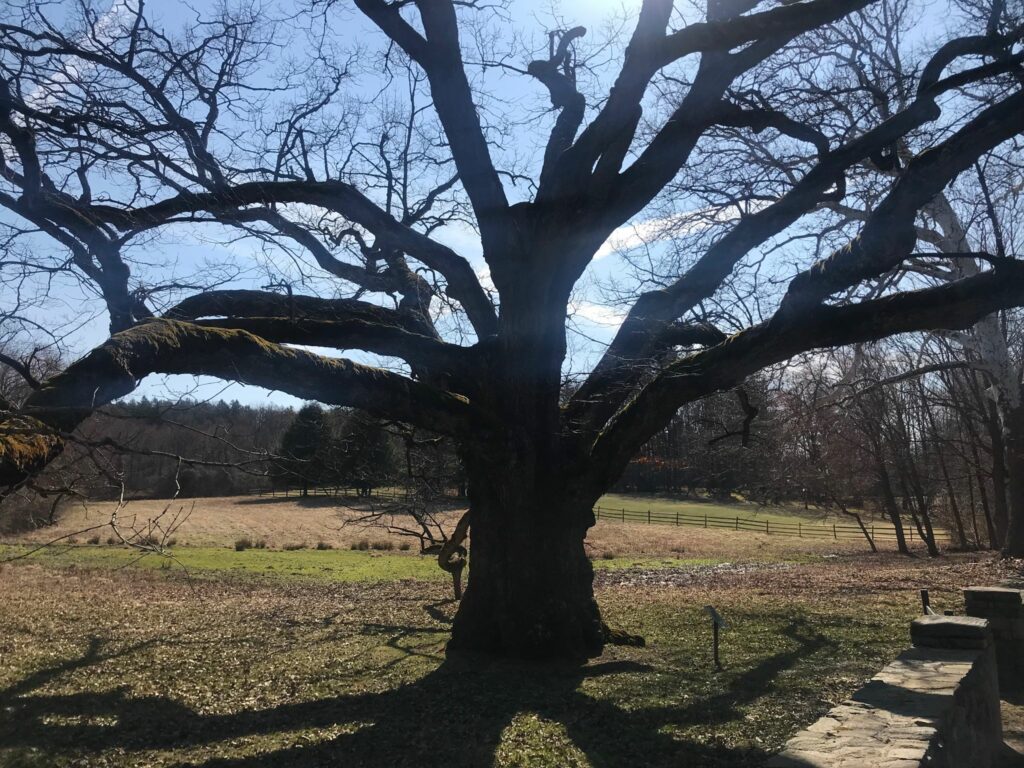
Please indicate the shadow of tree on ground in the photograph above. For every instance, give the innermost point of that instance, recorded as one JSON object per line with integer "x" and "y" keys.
{"x": 465, "y": 712}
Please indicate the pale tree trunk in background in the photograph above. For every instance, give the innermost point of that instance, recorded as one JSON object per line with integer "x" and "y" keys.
{"x": 998, "y": 520}
{"x": 987, "y": 342}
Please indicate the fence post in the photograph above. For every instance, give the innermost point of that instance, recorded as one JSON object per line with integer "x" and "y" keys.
{"x": 799, "y": 530}
{"x": 623, "y": 514}
{"x": 766, "y": 527}
{"x": 872, "y": 531}
{"x": 737, "y": 522}
{"x": 835, "y": 534}
{"x": 648, "y": 514}
{"x": 677, "y": 518}
{"x": 705, "y": 519}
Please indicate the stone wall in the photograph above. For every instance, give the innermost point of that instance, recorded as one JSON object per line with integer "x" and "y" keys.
{"x": 1004, "y": 610}
{"x": 936, "y": 705}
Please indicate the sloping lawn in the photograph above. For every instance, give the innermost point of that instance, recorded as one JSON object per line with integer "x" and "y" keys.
{"x": 133, "y": 667}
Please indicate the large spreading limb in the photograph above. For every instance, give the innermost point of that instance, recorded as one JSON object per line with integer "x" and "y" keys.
{"x": 243, "y": 303}
{"x": 335, "y": 323}
{"x": 337, "y": 196}
{"x": 953, "y": 306}
{"x": 889, "y": 233}
{"x": 557, "y": 74}
{"x": 440, "y": 56}
{"x": 604, "y": 142}
{"x": 168, "y": 346}
{"x": 421, "y": 352}
{"x": 891, "y": 236}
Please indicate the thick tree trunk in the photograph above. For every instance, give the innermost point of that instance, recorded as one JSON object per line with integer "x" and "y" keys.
{"x": 530, "y": 588}
{"x": 529, "y": 591}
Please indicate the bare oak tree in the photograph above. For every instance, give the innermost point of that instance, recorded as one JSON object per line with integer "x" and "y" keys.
{"x": 115, "y": 131}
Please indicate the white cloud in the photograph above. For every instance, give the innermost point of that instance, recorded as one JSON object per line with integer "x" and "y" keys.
{"x": 598, "y": 314}
{"x": 634, "y": 235}
{"x": 103, "y": 32}
{"x": 650, "y": 231}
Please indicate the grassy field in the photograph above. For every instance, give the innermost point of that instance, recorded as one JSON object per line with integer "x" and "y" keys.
{"x": 292, "y": 522}
{"x": 791, "y": 520}
{"x": 122, "y": 667}
{"x": 294, "y": 656}
{"x": 744, "y": 511}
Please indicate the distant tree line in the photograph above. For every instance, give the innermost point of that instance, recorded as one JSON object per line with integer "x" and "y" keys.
{"x": 906, "y": 431}
{"x": 153, "y": 448}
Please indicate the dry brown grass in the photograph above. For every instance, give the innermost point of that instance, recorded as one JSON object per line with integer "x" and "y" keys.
{"x": 220, "y": 521}
{"x": 290, "y": 522}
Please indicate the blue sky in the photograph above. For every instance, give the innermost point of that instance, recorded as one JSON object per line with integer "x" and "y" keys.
{"x": 185, "y": 250}
{"x": 76, "y": 309}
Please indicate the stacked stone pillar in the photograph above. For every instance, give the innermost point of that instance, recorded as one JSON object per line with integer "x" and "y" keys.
{"x": 1003, "y": 608}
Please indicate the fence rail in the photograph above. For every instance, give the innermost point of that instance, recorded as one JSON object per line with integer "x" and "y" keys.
{"x": 880, "y": 532}
{"x": 835, "y": 531}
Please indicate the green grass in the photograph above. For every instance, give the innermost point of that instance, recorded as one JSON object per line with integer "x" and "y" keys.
{"x": 319, "y": 565}
{"x": 267, "y": 658}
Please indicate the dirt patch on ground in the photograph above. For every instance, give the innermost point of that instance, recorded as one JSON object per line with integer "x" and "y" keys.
{"x": 1013, "y": 732}
{"x": 831, "y": 578}
{"x": 680, "y": 577}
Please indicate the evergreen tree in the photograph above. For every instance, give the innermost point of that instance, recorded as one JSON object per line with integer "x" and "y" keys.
{"x": 367, "y": 456}
{"x": 304, "y": 451}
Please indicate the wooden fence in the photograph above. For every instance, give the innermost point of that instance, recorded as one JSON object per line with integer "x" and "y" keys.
{"x": 880, "y": 532}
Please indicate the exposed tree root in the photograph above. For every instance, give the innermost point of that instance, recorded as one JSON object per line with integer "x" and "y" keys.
{"x": 620, "y": 637}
